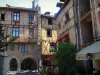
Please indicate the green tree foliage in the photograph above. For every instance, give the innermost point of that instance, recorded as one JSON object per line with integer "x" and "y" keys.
{"x": 65, "y": 57}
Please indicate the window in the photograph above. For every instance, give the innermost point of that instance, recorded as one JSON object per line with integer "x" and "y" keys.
{"x": 52, "y": 46}
{"x": 31, "y": 18}
{"x": 67, "y": 17}
{"x": 2, "y": 17}
{"x": 15, "y": 32}
{"x": 31, "y": 31}
{"x": 16, "y": 16}
{"x": 49, "y": 32}
{"x": 49, "y": 21}
{"x": 24, "y": 48}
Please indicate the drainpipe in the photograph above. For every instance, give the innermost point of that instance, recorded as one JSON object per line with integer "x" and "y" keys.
{"x": 75, "y": 10}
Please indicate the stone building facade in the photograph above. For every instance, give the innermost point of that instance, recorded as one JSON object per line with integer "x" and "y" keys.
{"x": 88, "y": 22}
{"x": 65, "y": 21}
{"x": 23, "y": 53}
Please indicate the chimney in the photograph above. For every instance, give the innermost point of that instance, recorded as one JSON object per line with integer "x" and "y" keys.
{"x": 7, "y": 5}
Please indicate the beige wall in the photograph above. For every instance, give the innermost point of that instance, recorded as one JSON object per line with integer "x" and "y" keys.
{"x": 24, "y": 26}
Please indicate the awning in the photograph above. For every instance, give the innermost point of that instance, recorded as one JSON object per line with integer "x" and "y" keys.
{"x": 65, "y": 36}
{"x": 49, "y": 58}
{"x": 94, "y": 48}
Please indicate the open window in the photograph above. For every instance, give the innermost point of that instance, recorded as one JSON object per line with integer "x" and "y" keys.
{"x": 2, "y": 17}
{"x": 49, "y": 33}
{"x": 50, "y": 21}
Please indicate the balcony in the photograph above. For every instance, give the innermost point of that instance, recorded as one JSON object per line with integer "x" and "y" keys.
{"x": 25, "y": 40}
{"x": 32, "y": 40}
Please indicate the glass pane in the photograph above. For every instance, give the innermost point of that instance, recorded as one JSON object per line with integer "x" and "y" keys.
{"x": 26, "y": 49}
{"x": 13, "y": 33}
{"x": 30, "y": 19}
{"x": 17, "y": 14}
{"x": 17, "y": 33}
{"x": 14, "y": 14}
{"x": 17, "y": 29}
{"x": 22, "y": 48}
{"x": 17, "y": 18}
{"x": 13, "y": 29}
{"x": 14, "y": 18}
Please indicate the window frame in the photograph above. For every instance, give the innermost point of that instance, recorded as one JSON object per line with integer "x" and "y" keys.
{"x": 16, "y": 15}
{"x": 52, "y": 47}
{"x": 31, "y": 18}
{"x": 15, "y": 32}
{"x": 50, "y": 21}
{"x": 50, "y": 32}
{"x": 3, "y": 17}
{"x": 24, "y": 48}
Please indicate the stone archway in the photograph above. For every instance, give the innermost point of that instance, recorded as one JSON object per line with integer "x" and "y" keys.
{"x": 13, "y": 64}
{"x": 28, "y": 64}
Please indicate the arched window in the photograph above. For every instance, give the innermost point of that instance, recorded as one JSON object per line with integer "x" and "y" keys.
{"x": 13, "y": 64}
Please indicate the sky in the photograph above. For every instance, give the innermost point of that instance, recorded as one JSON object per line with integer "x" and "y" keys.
{"x": 46, "y": 5}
